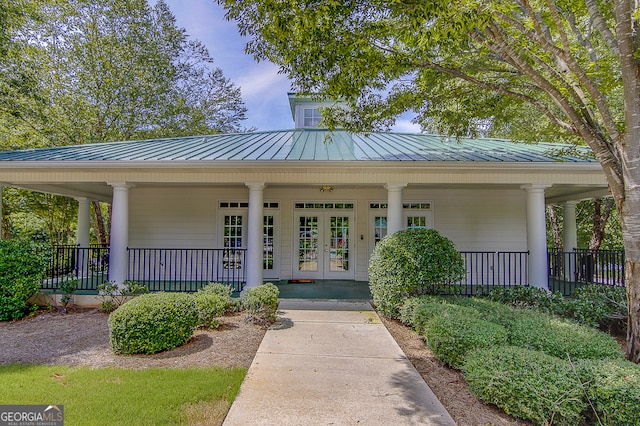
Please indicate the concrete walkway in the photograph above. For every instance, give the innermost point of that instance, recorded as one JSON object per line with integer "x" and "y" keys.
{"x": 332, "y": 363}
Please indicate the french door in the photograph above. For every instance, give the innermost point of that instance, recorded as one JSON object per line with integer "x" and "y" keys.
{"x": 323, "y": 245}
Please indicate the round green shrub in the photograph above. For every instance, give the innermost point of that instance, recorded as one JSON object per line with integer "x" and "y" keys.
{"x": 562, "y": 338}
{"x": 23, "y": 266}
{"x": 527, "y": 384}
{"x": 594, "y": 304}
{"x": 261, "y": 302}
{"x": 613, "y": 388}
{"x": 221, "y": 289}
{"x": 410, "y": 263}
{"x": 452, "y": 335}
{"x": 152, "y": 323}
{"x": 210, "y": 307}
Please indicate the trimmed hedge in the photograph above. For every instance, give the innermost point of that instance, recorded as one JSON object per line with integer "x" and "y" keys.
{"x": 613, "y": 388}
{"x": 212, "y": 302}
{"x": 526, "y": 383}
{"x": 452, "y": 335}
{"x": 261, "y": 302}
{"x": 409, "y": 263}
{"x": 488, "y": 310}
{"x": 561, "y": 338}
{"x": 153, "y": 323}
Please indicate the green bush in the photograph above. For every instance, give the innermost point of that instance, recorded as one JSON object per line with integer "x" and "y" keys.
{"x": 261, "y": 302}
{"x": 613, "y": 388}
{"x": 152, "y": 323}
{"x": 112, "y": 297}
{"x": 594, "y": 304}
{"x": 23, "y": 266}
{"x": 452, "y": 335}
{"x": 410, "y": 263}
{"x": 488, "y": 310}
{"x": 527, "y": 384}
{"x": 212, "y": 302}
{"x": 530, "y": 298}
{"x": 410, "y": 311}
{"x": 561, "y": 338}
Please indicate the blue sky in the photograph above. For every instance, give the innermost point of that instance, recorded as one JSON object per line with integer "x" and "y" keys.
{"x": 264, "y": 91}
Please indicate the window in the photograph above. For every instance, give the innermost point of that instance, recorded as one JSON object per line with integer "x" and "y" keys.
{"x": 310, "y": 117}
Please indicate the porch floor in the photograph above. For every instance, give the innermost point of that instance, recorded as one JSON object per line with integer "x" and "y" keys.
{"x": 324, "y": 289}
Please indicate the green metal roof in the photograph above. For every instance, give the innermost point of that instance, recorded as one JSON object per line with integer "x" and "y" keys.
{"x": 305, "y": 145}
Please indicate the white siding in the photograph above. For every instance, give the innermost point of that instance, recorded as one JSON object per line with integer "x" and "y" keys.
{"x": 188, "y": 217}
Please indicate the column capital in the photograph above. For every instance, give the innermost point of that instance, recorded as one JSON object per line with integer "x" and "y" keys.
{"x": 535, "y": 186}
{"x": 255, "y": 186}
{"x": 571, "y": 203}
{"x": 120, "y": 185}
{"x": 395, "y": 186}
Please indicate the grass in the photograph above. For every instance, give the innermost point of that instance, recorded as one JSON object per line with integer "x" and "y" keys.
{"x": 112, "y": 396}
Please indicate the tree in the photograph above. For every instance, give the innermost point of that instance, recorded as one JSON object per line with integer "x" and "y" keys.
{"x": 108, "y": 70}
{"x": 573, "y": 62}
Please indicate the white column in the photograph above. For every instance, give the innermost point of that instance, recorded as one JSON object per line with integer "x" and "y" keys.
{"x": 569, "y": 227}
{"x": 119, "y": 236}
{"x": 82, "y": 237}
{"x": 394, "y": 207}
{"x": 255, "y": 234}
{"x": 82, "y": 233}
{"x": 537, "y": 235}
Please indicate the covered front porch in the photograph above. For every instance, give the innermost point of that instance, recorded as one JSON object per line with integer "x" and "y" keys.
{"x": 187, "y": 270}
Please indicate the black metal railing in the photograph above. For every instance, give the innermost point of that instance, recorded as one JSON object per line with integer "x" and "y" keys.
{"x": 89, "y": 266}
{"x": 186, "y": 269}
{"x": 569, "y": 270}
{"x": 486, "y": 270}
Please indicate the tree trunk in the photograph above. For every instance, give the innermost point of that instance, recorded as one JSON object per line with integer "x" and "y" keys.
{"x": 555, "y": 227}
{"x": 632, "y": 277}
{"x": 600, "y": 219}
{"x": 99, "y": 223}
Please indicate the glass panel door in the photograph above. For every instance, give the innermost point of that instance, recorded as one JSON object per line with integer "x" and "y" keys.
{"x": 323, "y": 246}
{"x": 339, "y": 244}
{"x": 308, "y": 243}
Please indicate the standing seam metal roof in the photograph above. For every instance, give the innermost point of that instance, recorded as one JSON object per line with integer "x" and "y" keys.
{"x": 306, "y": 145}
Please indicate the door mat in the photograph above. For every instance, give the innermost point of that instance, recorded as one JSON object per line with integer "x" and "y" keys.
{"x": 302, "y": 281}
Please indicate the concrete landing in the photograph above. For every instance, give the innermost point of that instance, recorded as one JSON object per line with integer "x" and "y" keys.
{"x": 332, "y": 363}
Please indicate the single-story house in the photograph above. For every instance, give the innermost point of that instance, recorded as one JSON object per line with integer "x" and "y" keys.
{"x": 308, "y": 203}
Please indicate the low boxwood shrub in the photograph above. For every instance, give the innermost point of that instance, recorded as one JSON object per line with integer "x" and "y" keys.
{"x": 526, "y": 383}
{"x": 414, "y": 313}
{"x": 410, "y": 263}
{"x": 561, "y": 338}
{"x": 530, "y": 298}
{"x": 453, "y": 334}
{"x": 152, "y": 323}
{"x": 261, "y": 302}
{"x": 613, "y": 389}
{"x": 212, "y": 302}
{"x": 488, "y": 310}
{"x": 23, "y": 266}
{"x": 594, "y": 304}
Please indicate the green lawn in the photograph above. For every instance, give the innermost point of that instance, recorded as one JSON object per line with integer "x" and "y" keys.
{"x": 112, "y": 396}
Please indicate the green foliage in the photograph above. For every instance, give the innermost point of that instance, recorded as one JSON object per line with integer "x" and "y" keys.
{"x": 112, "y": 297}
{"x": 23, "y": 266}
{"x": 526, "y": 383}
{"x": 452, "y": 335}
{"x": 530, "y": 298}
{"x": 409, "y": 263}
{"x": 410, "y": 308}
{"x": 593, "y": 304}
{"x": 152, "y": 323}
{"x": 261, "y": 302}
{"x": 561, "y": 338}
{"x": 67, "y": 288}
{"x": 488, "y": 310}
{"x": 613, "y": 388}
{"x": 212, "y": 301}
